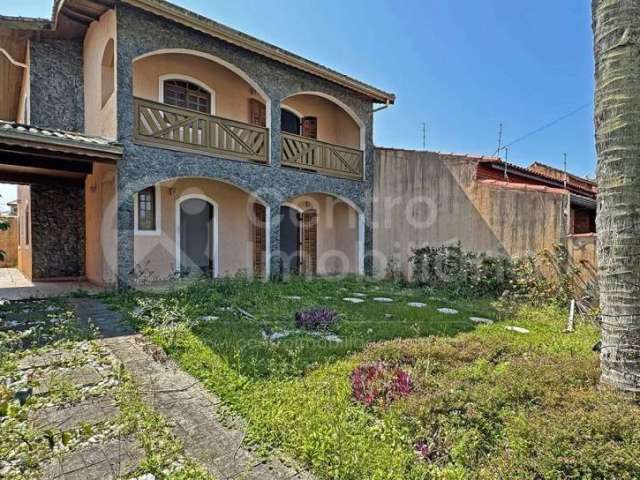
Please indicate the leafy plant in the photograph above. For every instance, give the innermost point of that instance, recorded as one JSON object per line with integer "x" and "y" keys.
{"x": 379, "y": 384}
{"x": 316, "y": 319}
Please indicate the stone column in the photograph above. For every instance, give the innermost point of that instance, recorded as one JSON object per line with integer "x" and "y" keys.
{"x": 125, "y": 239}
{"x": 275, "y": 266}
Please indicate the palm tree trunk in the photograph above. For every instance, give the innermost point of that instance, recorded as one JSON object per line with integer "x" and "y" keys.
{"x": 616, "y": 28}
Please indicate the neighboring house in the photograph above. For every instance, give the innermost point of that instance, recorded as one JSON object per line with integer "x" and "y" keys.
{"x": 13, "y": 208}
{"x": 9, "y": 239}
{"x": 197, "y": 148}
{"x": 490, "y": 206}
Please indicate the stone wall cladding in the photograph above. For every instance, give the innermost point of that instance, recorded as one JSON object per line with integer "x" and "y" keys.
{"x": 57, "y": 84}
{"x": 140, "y": 33}
{"x": 57, "y": 230}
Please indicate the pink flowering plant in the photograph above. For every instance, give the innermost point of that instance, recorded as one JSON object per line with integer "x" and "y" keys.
{"x": 379, "y": 384}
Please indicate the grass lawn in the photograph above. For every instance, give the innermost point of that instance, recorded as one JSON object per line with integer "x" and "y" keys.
{"x": 485, "y": 402}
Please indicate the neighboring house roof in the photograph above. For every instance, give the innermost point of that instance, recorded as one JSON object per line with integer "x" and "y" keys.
{"x": 85, "y": 11}
{"x": 559, "y": 175}
{"x": 544, "y": 177}
{"x": 15, "y": 134}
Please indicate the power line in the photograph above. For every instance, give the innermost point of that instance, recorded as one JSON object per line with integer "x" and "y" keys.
{"x": 544, "y": 127}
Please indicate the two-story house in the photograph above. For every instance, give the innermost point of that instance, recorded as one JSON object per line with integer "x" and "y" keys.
{"x": 149, "y": 140}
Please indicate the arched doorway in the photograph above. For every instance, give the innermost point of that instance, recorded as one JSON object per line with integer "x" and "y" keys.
{"x": 321, "y": 234}
{"x": 199, "y": 225}
{"x": 196, "y": 235}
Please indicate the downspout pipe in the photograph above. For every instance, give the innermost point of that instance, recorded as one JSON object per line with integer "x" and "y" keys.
{"x": 13, "y": 60}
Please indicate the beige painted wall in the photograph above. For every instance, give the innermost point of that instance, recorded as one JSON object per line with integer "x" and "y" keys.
{"x": 337, "y": 233}
{"x": 100, "y": 225}
{"x": 154, "y": 255}
{"x": 9, "y": 242}
{"x": 334, "y": 124}
{"x": 24, "y": 248}
{"x": 232, "y": 93}
{"x": 423, "y": 198}
{"x": 99, "y": 120}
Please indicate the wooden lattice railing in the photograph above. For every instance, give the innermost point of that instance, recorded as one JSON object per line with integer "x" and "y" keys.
{"x": 307, "y": 153}
{"x": 157, "y": 124}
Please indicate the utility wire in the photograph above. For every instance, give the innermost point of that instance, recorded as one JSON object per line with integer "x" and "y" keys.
{"x": 544, "y": 127}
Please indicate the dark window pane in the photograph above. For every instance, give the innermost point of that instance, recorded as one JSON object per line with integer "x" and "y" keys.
{"x": 289, "y": 122}
{"x": 147, "y": 209}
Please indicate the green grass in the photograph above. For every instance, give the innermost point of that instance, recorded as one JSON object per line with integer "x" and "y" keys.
{"x": 489, "y": 403}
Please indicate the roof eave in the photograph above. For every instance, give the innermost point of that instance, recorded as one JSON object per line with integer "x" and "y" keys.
{"x": 110, "y": 153}
{"x": 247, "y": 42}
{"x": 24, "y": 23}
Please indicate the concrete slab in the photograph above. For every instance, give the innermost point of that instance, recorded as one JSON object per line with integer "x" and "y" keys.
{"x": 15, "y": 286}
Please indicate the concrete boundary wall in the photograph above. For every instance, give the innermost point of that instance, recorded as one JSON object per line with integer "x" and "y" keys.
{"x": 426, "y": 198}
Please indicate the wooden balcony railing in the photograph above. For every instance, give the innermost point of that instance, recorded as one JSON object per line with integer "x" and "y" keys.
{"x": 310, "y": 154}
{"x": 157, "y": 124}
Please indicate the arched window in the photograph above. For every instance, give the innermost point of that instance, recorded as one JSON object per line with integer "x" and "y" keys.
{"x": 107, "y": 75}
{"x": 181, "y": 93}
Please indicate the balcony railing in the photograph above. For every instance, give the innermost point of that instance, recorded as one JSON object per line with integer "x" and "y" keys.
{"x": 160, "y": 125}
{"x": 310, "y": 154}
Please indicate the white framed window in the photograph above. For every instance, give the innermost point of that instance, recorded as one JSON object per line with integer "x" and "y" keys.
{"x": 147, "y": 211}
{"x": 186, "y": 92}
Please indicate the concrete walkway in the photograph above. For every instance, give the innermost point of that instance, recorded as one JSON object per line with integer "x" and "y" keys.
{"x": 193, "y": 411}
{"x": 15, "y": 286}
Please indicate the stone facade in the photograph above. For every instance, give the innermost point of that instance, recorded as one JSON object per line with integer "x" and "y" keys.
{"x": 140, "y": 33}
{"x": 57, "y": 231}
{"x": 57, "y": 102}
{"x": 57, "y": 84}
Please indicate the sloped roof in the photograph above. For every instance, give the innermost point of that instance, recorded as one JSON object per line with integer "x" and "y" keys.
{"x": 82, "y": 11}
{"x": 16, "y": 134}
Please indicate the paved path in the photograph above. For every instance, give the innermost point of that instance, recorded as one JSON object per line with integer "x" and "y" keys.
{"x": 192, "y": 410}
{"x": 15, "y": 286}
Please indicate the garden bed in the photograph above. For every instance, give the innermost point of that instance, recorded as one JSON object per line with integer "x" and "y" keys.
{"x": 478, "y": 400}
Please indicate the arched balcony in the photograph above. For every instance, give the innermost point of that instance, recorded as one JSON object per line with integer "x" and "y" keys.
{"x": 320, "y": 133}
{"x": 187, "y": 100}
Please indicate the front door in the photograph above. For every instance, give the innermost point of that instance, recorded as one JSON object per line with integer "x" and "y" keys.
{"x": 309, "y": 265}
{"x": 196, "y": 237}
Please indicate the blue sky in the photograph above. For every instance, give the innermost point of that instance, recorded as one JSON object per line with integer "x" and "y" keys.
{"x": 462, "y": 67}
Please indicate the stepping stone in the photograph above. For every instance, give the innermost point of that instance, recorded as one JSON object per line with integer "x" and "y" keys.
{"x": 360, "y": 295}
{"x": 486, "y": 321}
{"x": 78, "y": 377}
{"x": 293, "y": 297}
{"x": 115, "y": 458}
{"x": 517, "y": 329}
{"x": 329, "y": 337}
{"x": 353, "y": 300}
{"x": 382, "y": 299}
{"x": 448, "y": 311}
{"x": 91, "y": 411}
{"x": 46, "y": 359}
{"x": 276, "y": 335}
{"x": 417, "y": 304}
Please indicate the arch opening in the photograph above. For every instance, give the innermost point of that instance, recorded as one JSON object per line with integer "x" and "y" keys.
{"x": 233, "y": 93}
{"x": 321, "y": 234}
{"x": 204, "y": 227}
{"x": 325, "y": 118}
